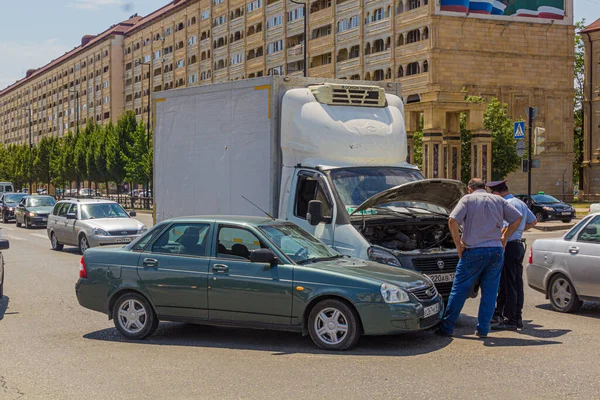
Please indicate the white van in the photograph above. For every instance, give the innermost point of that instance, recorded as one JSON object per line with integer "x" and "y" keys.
{"x": 6, "y": 187}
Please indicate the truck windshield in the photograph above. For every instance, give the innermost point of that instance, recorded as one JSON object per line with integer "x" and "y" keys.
{"x": 355, "y": 185}
{"x": 298, "y": 244}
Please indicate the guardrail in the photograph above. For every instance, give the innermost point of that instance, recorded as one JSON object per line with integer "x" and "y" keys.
{"x": 125, "y": 200}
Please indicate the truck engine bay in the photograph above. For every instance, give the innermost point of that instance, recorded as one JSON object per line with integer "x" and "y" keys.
{"x": 421, "y": 236}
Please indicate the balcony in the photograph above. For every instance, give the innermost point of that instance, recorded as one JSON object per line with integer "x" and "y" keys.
{"x": 412, "y": 49}
{"x": 206, "y": 65}
{"x": 348, "y": 6}
{"x": 274, "y": 7}
{"x": 295, "y": 27}
{"x": 409, "y": 17}
{"x": 220, "y": 75}
{"x": 321, "y": 17}
{"x": 219, "y": 30}
{"x": 295, "y": 53}
{"x": 205, "y": 43}
{"x": 378, "y": 27}
{"x": 347, "y": 67}
{"x": 322, "y": 71}
{"x": 236, "y": 24}
{"x": 382, "y": 57}
{"x": 275, "y": 58}
{"x": 255, "y": 63}
{"x": 236, "y": 70}
{"x": 254, "y": 41}
{"x": 320, "y": 45}
{"x": 414, "y": 82}
{"x": 254, "y": 17}
{"x": 220, "y": 52}
{"x": 274, "y": 33}
{"x": 350, "y": 35}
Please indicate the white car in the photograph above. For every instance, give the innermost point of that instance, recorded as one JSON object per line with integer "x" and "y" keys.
{"x": 594, "y": 208}
{"x": 567, "y": 269}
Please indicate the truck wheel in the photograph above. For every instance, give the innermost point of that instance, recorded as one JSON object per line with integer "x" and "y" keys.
{"x": 134, "y": 317}
{"x": 55, "y": 244}
{"x": 562, "y": 295}
{"x": 333, "y": 325}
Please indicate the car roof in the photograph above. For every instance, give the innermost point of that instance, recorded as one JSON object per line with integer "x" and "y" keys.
{"x": 84, "y": 201}
{"x": 237, "y": 219}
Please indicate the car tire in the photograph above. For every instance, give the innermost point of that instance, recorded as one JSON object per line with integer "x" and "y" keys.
{"x": 4, "y": 218}
{"x": 333, "y": 325}
{"x": 134, "y": 317}
{"x": 83, "y": 244}
{"x": 56, "y": 245}
{"x": 27, "y": 223}
{"x": 2, "y": 285}
{"x": 562, "y": 295}
{"x": 566, "y": 221}
{"x": 540, "y": 216}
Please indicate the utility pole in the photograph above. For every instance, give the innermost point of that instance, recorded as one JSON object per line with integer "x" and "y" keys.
{"x": 529, "y": 153}
{"x": 305, "y": 45}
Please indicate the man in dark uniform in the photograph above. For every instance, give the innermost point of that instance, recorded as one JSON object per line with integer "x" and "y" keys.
{"x": 509, "y": 306}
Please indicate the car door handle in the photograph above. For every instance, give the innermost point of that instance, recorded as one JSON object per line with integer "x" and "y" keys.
{"x": 573, "y": 249}
{"x": 150, "y": 262}
{"x": 220, "y": 269}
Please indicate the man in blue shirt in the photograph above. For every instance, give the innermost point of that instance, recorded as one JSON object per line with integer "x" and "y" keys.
{"x": 509, "y": 305}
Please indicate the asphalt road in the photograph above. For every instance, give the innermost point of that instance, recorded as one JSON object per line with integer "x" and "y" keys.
{"x": 51, "y": 348}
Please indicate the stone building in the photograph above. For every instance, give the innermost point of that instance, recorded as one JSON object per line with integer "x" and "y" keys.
{"x": 591, "y": 113}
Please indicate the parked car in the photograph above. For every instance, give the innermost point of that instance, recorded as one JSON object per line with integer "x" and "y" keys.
{"x": 594, "y": 208}
{"x": 34, "y": 210}
{"x": 6, "y": 187}
{"x": 90, "y": 222}
{"x": 546, "y": 207}
{"x": 252, "y": 272}
{"x": 567, "y": 269}
{"x": 8, "y": 203}
{"x": 4, "y": 245}
{"x": 89, "y": 192}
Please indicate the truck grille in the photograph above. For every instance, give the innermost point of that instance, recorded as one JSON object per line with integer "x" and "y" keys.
{"x": 356, "y": 95}
{"x": 123, "y": 232}
{"x": 425, "y": 293}
{"x": 435, "y": 264}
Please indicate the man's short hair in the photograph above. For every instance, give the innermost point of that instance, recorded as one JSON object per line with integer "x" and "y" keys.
{"x": 476, "y": 184}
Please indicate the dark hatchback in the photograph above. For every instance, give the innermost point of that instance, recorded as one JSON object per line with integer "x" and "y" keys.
{"x": 8, "y": 204}
{"x": 546, "y": 207}
{"x": 252, "y": 272}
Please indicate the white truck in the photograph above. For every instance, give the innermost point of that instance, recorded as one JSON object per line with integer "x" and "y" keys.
{"x": 328, "y": 155}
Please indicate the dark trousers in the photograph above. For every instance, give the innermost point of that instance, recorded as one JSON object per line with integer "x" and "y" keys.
{"x": 510, "y": 293}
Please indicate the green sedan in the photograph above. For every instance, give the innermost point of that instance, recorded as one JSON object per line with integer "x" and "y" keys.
{"x": 252, "y": 272}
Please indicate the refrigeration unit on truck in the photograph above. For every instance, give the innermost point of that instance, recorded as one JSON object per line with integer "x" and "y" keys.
{"x": 292, "y": 145}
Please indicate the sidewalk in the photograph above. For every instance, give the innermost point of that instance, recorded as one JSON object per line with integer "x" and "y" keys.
{"x": 555, "y": 225}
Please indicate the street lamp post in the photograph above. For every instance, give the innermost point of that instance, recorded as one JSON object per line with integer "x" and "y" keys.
{"x": 76, "y": 131}
{"x": 303, "y": 4}
{"x": 30, "y": 145}
{"x": 148, "y": 124}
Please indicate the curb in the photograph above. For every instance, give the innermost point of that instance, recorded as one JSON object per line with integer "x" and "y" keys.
{"x": 550, "y": 228}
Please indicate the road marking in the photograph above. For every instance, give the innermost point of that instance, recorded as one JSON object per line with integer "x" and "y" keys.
{"x": 14, "y": 237}
{"x": 40, "y": 235}
{"x": 7, "y": 228}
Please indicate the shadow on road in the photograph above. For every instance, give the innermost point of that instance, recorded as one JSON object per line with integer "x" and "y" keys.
{"x": 588, "y": 309}
{"x": 278, "y": 343}
{"x": 3, "y": 306}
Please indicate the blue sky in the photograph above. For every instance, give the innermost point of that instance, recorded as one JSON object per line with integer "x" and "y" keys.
{"x": 34, "y": 32}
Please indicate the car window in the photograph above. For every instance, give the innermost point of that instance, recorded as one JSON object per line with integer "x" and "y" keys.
{"x": 63, "y": 210}
{"x": 56, "y": 208}
{"x": 73, "y": 209}
{"x": 310, "y": 189}
{"x": 40, "y": 201}
{"x": 237, "y": 243}
{"x": 22, "y": 202}
{"x": 571, "y": 234}
{"x": 143, "y": 241}
{"x": 188, "y": 239}
{"x": 591, "y": 232}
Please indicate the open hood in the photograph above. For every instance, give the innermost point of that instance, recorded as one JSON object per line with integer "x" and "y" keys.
{"x": 440, "y": 192}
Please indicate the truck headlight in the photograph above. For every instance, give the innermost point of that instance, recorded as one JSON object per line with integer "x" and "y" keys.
{"x": 100, "y": 232}
{"x": 383, "y": 256}
{"x": 393, "y": 294}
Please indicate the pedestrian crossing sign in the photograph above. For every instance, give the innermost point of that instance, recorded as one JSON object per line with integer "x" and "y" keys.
{"x": 519, "y": 132}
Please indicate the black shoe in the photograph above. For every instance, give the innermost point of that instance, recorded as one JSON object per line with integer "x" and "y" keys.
{"x": 481, "y": 335}
{"x": 440, "y": 332}
{"x": 520, "y": 324}
{"x": 504, "y": 327}
{"x": 497, "y": 319}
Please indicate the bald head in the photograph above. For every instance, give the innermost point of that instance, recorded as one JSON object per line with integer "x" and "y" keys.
{"x": 476, "y": 184}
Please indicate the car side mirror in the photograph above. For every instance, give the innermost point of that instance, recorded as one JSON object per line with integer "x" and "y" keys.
{"x": 4, "y": 245}
{"x": 265, "y": 256}
{"x": 71, "y": 216}
{"x": 132, "y": 213}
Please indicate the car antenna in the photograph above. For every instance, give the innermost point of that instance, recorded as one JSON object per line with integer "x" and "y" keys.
{"x": 264, "y": 212}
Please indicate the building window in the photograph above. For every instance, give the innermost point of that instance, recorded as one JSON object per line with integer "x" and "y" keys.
{"x": 157, "y": 54}
{"x": 215, "y": 2}
{"x": 180, "y": 63}
{"x": 275, "y": 47}
{"x": 220, "y": 20}
{"x": 106, "y": 100}
{"x": 236, "y": 59}
{"x": 192, "y": 40}
{"x": 413, "y": 68}
{"x": 105, "y": 84}
{"x": 354, "y": 51}
{"x": 322, "y": 31}
{"x": 147, "y": 58}
{"x": 425, "y": 66}
{"x": 275, "y": 21}
{"x": 254, "y": 5}
{"x": 353, "y": 22}
{"x": 204, "y": 15}
{"x": 193, "y": 78}
{"x": 412, "y": 4}
{"x": 377, "y": 15}
{"x": 343, "y": 25}
{"x": 296, "y": 14}
{"x": 168, "y": 31}
{"x": 276, "y": 70}
{"x": 413, "y": 36}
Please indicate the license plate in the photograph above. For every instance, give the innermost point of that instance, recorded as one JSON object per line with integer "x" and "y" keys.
{"x": 442, "y": 278}
{"x": 566, "y": 213}
{"x": 123, "y": 240}
{"x": 44, "y": 219}
{"x": 431, "y": 310}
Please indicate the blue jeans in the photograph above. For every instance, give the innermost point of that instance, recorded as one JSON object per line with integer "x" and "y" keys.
{"x": 483, "y": 264}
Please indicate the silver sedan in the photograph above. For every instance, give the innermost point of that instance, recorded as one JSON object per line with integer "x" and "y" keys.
{"x": 567, "y": 269}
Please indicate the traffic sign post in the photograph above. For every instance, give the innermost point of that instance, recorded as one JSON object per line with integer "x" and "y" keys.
{"x": 521, "y": 148}
{"x": 519, "y": 131}
{"x": 531, "y": 112}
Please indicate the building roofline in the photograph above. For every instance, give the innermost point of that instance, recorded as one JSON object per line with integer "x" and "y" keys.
{"x": 593, "y": 27}
{"x": 161, "y": 12}
{"x": 118, "y": 29}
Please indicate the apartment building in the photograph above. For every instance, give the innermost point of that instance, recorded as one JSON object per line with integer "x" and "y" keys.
{"x": 591, "y": 113}
{"x": 84, "y": 83}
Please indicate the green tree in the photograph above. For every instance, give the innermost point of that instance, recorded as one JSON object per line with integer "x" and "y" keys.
{"x": 117, "y": 149}
{"x": 80, "y": 152}
{"x": 42, "y": 164}
{"x": 136, "y": 158}
{"x": 578, "y": 101}
{"x": 504, "y": 154}
{"x": 95, "y": 135}
{"x": 100, "y": 154}
{"x": 465, "y": 150}
{"x": 418, "y": 144}
{"x": 68, "y": 159}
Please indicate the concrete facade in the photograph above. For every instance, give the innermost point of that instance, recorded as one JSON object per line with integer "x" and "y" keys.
{"x": 591, "y": 113}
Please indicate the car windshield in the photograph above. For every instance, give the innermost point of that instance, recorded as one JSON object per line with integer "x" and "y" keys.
{"x": 356, "y": 185}
{"x": 102, "y": 210}
{"x": 544, "y": 198}
{"x": 41, "y": 201}
{"x": 14, "y": 198}
{"x": 298, "y": 244}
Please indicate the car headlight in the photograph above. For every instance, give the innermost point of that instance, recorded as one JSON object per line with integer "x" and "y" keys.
{"x": 10, "y": 209}
{"x": 32, "y": 214}
{"x": 100, "y": 232}
{"x": 546, "y": 208}
{"x": 143, "y": 229}
{"x": 393, "y": 294}
{"x": 383, "y": 256}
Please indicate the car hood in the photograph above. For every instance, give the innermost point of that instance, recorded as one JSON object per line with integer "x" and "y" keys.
{"x": 440, "y": 192}
{"x": 10, "y": 204}
{"x": 401, "y": 277}
{"x": 41, "y": 209}
{"x": 113, "y": 224}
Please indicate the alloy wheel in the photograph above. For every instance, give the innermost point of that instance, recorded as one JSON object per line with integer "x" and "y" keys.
{"x": 561, "y": 292}
{"x": 331, "y": 326}
{"x": 132, "y": 316}
{"x": 83, "y": 244}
